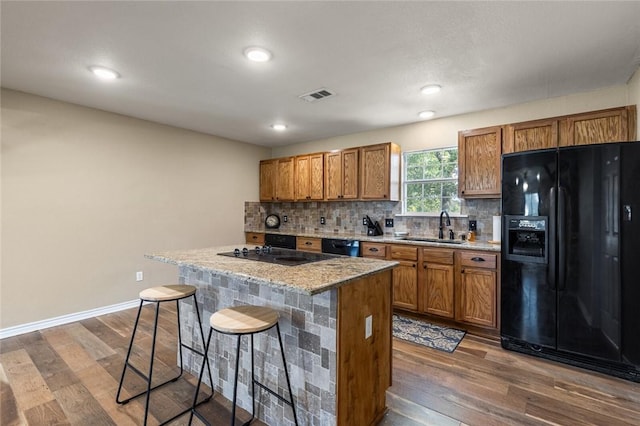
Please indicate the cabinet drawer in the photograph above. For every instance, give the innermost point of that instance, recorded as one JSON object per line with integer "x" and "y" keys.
{"x": 404, "y": 252}
{"x": 478, "y": 259}
{"x": 444, "y": 257}
{"x": 254, "y": 238}
{"x": 377, "y": 250}
{"x": 309, "y": 244}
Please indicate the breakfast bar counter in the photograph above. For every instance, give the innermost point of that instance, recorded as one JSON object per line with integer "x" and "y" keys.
{"x": 335, "y": 318}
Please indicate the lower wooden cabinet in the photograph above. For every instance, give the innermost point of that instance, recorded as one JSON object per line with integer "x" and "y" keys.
{"x": 478, "y": 284}
{"x": 405, "y": 276}
{"x": 456, "y": 285}
{"x": 437, "y": 282}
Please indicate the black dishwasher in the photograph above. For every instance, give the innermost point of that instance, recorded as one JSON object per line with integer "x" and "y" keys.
{"x": 280, "y": 241}
{"x": 344, "y": 247}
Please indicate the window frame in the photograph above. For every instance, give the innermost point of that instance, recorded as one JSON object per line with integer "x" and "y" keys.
{"x": 441, "y": 180}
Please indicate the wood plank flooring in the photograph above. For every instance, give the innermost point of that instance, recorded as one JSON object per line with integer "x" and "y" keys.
{"x": 68, "y": 375}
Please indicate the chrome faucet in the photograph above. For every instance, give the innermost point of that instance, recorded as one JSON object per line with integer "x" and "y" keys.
{"x": 441, "y": 227}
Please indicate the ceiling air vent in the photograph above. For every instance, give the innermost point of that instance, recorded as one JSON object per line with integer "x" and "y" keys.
{"x": 316, "y": 95}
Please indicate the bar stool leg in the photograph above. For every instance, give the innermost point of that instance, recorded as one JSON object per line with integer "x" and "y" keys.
{"x": 195, "y": 396}
{"x": 204, "y": 354}
{"x": 153, "y": 353}
{"x": 235, "y": 382}
{"x": 286, "y": 374}
{"x": 253, "y": 386}
{"x": 126, "y": 360}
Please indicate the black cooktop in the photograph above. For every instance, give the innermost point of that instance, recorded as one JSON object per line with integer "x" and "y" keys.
{"x": 278, "y": 256}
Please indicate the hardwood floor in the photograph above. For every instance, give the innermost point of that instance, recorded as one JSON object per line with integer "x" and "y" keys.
{"x": 68, "y": 375}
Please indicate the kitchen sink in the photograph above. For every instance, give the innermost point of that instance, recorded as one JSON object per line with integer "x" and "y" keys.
{"x": 433, "y": 240}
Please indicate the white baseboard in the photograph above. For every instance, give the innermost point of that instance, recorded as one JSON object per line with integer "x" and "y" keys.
{"x": 65, "y": 319}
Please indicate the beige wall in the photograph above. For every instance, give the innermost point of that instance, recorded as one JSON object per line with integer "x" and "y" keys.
{"x": 86, "y": 193}
{"x": 444, "y": 132}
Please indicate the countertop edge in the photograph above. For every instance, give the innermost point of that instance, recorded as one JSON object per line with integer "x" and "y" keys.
{"x": 475, "y": 245}
{"x": 329, "y": 285}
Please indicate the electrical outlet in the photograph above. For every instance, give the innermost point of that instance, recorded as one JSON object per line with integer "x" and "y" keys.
{"x": 364, "y": 221}
{"x": 139, "y": 276}
{"x": 322, "y": 221}
{"x": 285, "y": 219}
{"x": 368, "y": 326}
{"x": 388, "y": 223}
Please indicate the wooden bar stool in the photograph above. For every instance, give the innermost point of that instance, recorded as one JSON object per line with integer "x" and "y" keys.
{"x": 240, "y": 321}
{"x": 157, "y": 295}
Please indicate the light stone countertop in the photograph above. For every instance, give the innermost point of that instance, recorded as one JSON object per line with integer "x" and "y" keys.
{"x": 309, "y": 278}
{"x": 476, "y": 245}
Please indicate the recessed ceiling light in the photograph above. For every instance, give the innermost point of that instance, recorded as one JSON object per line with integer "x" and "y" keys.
{"x": 279, "y": 127}
{"x": 104, "y": 73}
{"x": 257, "y": 54}
{"x": 426, "y": 114}
{"x": 430, "y": 89}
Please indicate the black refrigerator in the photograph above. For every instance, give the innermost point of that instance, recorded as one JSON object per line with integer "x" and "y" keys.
{"x": 570, "y": 283}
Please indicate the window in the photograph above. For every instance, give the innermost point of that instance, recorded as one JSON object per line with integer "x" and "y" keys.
{"x": 431, "y": 181}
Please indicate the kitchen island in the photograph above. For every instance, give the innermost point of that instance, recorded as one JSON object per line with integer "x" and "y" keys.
{"x": 335, "y": 319}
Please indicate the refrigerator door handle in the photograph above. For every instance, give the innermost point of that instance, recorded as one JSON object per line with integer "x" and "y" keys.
{"x": 551, "y": 239}
{"x": 562, "y": 237}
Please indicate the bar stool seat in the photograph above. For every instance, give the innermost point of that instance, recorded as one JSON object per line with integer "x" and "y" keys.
{"x": 241, "y": 321}
{"x": 157, "y": 295}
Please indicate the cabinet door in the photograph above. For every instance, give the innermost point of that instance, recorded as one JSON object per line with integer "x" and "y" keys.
{"x": 350, "y": 174}
{"x": 478, "y": 296}
{"x": 302, "y": 180}
{"x": 309, "y": 177}
{"x": 268, "y": 176}
{"x": 333, "y": 175}
{"x": 479, "y": 153}
{"x": 374, "y": 176}
{"x": 285, "y": 180}
{"x": 405, "y": 285}
{"x": 611, "y": 125}
{"x": 530, "y": 136}
{"x": 316, "y": 177}
{"x": 438, "y": 289}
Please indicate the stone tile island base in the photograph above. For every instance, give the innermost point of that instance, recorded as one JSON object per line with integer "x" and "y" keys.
{"x": 338, "y": 376}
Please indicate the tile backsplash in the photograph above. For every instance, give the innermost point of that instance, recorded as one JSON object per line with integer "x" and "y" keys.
{"x": 345, "y": 217}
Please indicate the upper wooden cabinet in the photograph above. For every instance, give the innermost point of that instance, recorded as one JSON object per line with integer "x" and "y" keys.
{"x": 341, "y": 174}
{"x": 539, "y": 134}
{"x": 309, "y": 177}
{"x": 610, "y": 125}
{"x": 479, "y": 153}
{"x": 380, "y": 172}
{"x": 277, "y": 179}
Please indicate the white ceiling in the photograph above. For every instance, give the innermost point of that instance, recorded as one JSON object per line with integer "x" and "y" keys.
{"x": 182, "y": 62}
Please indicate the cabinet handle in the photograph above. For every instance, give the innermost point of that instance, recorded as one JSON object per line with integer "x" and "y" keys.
{"x": 413, "y": 266}
{"x": 462, "y": 271}
{"x": 373, "y": 249}
{"x": 477, "y": 259}
{"x": 255, "y": 237}
{"x": 308, "y": 243}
